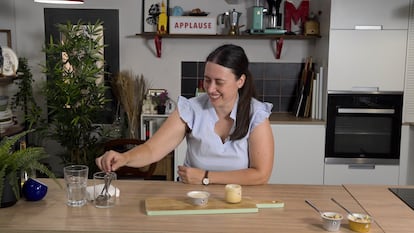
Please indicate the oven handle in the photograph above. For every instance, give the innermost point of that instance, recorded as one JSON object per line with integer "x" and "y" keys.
{"x": 367, "y": 110}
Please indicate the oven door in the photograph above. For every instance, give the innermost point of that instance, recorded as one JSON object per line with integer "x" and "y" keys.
{"x": 363, "y": 129}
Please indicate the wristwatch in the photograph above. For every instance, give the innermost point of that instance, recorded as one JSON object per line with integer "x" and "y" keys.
{"x": 205, "y": 180}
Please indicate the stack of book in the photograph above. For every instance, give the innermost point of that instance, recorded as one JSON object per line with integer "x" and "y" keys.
{"x": 149, "y": 128}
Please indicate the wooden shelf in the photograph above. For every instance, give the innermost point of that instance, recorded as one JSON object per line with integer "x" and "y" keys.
{"x": 12, "y": 130}
{"x": 5, "y": 80}
{"x": 279, "y": 38}
{"x": 242, "y": 36}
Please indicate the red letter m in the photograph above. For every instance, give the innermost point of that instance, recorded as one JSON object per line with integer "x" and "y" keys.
{"x": 291, "y": 13}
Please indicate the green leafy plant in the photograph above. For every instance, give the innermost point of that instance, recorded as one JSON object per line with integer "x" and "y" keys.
{"x": 24, "y": 99}
{"x": 15, "y": 161}
{"x": 75, "y": 89}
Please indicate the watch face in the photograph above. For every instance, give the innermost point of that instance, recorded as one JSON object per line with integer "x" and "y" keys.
{"x": 205, "y": 181}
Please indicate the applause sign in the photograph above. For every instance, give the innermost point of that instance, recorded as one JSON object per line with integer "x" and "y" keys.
{"x": 192, "y": 25}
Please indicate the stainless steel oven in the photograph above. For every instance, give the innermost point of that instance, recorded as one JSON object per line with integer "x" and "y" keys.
{"x": 363, "y": 127}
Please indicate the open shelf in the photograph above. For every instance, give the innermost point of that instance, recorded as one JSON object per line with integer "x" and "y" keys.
{"x": 242, "y": 36}
{"x": 279, "y": 38}
{"x": 5, "y": 80}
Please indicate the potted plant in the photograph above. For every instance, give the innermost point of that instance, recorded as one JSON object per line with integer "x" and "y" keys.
{"x": 24, "y": 99}
{"x": 160, "y": 101}
{"x": 75, "y": 89}
{"x": 13, "y": 162}
{"x": 25, "y": 102}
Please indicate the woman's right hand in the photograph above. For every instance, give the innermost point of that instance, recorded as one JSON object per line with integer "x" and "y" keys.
{"x": 111, "y": 161}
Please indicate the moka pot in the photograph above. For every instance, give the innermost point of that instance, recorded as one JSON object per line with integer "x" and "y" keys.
{"x": 230, "y": 19}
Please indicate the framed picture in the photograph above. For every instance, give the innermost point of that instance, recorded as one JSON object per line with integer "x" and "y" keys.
{"x": 151, "y": 9}
{"x": 155, "y": 92}
{"x": 5, "y": 38}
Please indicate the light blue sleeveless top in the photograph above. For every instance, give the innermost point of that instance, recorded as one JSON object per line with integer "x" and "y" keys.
{"x": 205, "y": 149}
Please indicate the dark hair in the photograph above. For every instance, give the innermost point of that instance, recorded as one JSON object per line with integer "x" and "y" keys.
{"x": 234, "y": 58}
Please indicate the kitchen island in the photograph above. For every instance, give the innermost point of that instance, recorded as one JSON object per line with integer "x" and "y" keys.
{"x": 52, "y": 215}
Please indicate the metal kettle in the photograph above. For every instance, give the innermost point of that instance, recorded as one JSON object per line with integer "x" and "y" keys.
{"x": 230, "y": 19}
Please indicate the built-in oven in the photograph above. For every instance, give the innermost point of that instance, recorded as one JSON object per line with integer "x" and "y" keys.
{"x": 363, "y": 127}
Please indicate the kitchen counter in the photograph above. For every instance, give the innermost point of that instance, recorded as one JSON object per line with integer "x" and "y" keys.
{"x": 52, "y": 215}
{"x": 388, "y": 210}
{"x": 289, "y": 118}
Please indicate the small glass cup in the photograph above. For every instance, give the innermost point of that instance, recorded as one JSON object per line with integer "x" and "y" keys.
{"x": 104, "y": 189}
{"x": 76, "y": 178}
{"x": 233, "y": 193}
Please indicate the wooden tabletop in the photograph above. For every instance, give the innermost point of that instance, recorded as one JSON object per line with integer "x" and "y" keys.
{"x": 52, "y": 215}
{"x": 388, "y": 210}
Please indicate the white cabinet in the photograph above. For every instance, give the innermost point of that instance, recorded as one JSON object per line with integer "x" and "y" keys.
{"x": 347, "y": 14}
{"x": 336, "y": 174}
{"x": 367, "y": 58}
{"x": 408, "y": 109}
{"x": 299, "y": 154}
{"x": 368, "y": 44}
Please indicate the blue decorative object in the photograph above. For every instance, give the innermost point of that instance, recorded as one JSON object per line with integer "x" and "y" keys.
{"x": 34, "y": 190}
{"x": 177, "y": 11}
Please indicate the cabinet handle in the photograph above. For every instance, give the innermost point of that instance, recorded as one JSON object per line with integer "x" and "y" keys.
{"x": 361, "y": 166}
{"x": 368, "y": 27}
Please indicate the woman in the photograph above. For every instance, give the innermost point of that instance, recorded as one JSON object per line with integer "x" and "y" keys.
{"x": 229, "y": 138}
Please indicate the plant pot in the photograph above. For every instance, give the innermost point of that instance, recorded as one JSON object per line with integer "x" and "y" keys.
{"x": 161, "y": 109}
{"x": 8, "y": 198}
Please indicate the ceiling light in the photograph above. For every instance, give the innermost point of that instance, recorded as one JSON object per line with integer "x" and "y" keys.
{"x": 60, "y": 1}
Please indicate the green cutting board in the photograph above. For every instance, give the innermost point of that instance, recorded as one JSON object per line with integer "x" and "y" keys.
{"x": 179, "y": 206}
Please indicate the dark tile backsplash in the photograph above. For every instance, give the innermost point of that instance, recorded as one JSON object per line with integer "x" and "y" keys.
{"x": 276, "y": 83}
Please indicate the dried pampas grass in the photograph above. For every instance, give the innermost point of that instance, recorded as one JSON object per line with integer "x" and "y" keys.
{"x": 130, "y": 91}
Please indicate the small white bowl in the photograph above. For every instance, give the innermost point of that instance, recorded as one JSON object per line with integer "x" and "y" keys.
{"x": 198, "y": 198}
{"x": 331, "y": 221}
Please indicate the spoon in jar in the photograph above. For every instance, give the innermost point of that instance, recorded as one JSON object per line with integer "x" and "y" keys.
{"x": 104, "y": 196}
{"x": 314, "y": 207}
{"x": 343, "y": 207}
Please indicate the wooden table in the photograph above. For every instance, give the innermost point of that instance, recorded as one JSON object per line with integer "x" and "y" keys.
{"x": 52, "y": 215}
{"x": 388, "y": 210}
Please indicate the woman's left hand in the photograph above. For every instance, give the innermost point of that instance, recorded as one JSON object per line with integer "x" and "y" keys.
{"x": 189, "y": 175}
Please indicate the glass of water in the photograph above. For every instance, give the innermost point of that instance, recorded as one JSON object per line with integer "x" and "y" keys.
{"x": 76, "y": 178}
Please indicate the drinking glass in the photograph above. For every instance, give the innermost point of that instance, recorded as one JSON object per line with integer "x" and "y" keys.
{"x": 76, "y": 178}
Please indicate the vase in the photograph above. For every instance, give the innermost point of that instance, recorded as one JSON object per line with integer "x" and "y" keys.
{"x": 7, "y": 197}
{"x": 161, "y": 109}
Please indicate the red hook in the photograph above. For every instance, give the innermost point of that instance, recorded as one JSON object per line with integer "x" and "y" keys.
{"x": 279, "y": 46}
{"x": 158, "y": 44}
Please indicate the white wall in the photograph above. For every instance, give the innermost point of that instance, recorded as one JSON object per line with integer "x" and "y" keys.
{"x": 26, "y": 20}
{"x": 162, "y": 72}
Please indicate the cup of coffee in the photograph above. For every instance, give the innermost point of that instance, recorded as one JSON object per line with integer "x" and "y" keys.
{"x": 76, "y": 178}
